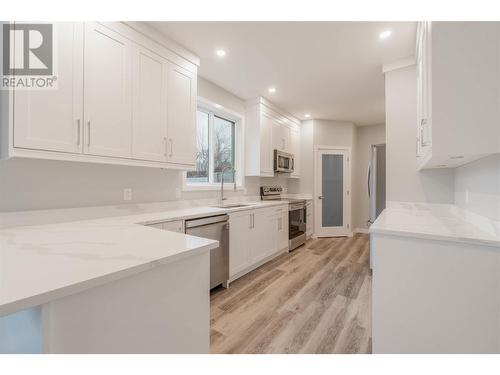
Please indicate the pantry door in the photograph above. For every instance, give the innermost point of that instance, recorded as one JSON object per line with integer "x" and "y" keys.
{"x": 332, "y": 188}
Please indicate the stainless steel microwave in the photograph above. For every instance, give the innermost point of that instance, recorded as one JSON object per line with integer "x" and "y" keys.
{"x": 283, "y": 162}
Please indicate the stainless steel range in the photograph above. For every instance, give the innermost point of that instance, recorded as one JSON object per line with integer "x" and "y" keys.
{"x": 296, "y": 214}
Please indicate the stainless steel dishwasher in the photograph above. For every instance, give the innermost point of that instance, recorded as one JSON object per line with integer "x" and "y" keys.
{"x": 214, "y": 228}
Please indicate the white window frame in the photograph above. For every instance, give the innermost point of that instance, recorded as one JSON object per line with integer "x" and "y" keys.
{"x": 215, "y": 109}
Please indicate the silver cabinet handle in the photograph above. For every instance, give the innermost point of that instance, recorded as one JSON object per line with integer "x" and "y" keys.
{"x": 423, "y": 122}
{"x": 253, "y": 220}
{"x": 250, "y": 223}
{"x": 88, "y": 139}
{"x": 78, "y": 134}
{"x": 171, "y": 147}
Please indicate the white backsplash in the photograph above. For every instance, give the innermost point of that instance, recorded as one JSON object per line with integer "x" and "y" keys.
{"x": 477, "y": 187}
{"x": 43, "y": 184}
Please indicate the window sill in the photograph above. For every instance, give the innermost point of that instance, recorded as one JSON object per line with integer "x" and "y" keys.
{"x": 215, "y": 187}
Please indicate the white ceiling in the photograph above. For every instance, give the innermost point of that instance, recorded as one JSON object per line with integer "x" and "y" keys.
{"x": 332, "y": 70}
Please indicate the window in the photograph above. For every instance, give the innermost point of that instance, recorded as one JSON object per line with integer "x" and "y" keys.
{"x": 216, "y": 135}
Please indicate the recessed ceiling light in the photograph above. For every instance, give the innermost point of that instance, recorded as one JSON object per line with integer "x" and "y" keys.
{"x": 218, "y": 106}
{"x": 385, "y": 34}
{"x": 307, "y": 115}
{"x": 272, "y": 90}
{"x": 220, "y": 53}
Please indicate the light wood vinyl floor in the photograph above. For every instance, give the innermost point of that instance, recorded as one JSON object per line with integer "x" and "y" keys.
{"x": 316, "y": 299}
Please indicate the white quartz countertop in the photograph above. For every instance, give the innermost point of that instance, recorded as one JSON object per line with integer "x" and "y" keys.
{"x": 437, "y": 221}
{"x": 40, "y": 263}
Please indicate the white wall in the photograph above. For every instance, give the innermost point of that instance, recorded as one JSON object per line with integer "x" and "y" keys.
{"x": 404, "y": 182}
{"x": 365, "y": 137}
{"x": 41, "y": 184}
{"x": 334, "y": 133}
{"x": 477, "y": 187}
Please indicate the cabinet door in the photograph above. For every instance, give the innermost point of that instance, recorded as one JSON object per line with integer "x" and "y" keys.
{"x": 266, "y": 146}
{"x": 264, "y": 234}
{"x": 278, "y": 136}
{"x": 149, "y": 127}
{"x": 240, "y": 228}
{"x": 281, "y": 229}
{"x": 52, "y": 119}
{"x": 108, "y": 92}
{"x": 295, "y": 150}
{"x": 309, "y": 218}
{"x": 181, "y": 114}
{"x": 286, "y": 131}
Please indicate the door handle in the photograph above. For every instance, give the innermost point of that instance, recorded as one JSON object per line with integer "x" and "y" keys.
{"x": 368, "y": 179}
{"x": 320, "y": 197}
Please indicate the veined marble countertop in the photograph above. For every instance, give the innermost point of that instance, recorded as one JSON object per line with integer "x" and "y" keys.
{"x": 63, "y": 254}
{"x": 437, "y": 221}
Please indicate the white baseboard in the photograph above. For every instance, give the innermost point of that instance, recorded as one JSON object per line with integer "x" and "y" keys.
{"x": 361, "y": 230}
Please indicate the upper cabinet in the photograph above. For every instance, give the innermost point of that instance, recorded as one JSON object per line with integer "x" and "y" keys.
{"x": 458, "y": 92}
{"x": 295, "y": 150}
{"x": 181, "y": 115}
{"x": 268, "y": 128}
{"x": 281, "y": 136}
{"x": 108, "y": 92}
{"x": 149, "y": 137}
{"x": 52, "y": 119}
{"x": 122, "y": 97}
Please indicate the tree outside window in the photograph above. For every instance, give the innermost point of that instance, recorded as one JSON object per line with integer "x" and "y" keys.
{"x": 215, "y": 149}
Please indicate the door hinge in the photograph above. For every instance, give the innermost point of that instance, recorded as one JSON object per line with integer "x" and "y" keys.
{"x": 347, "y": 192}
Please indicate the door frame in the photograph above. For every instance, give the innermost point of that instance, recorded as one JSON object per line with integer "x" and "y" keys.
{"x": 347, "y": 231}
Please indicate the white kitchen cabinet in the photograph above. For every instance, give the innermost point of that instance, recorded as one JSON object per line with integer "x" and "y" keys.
{"x": 255, "y": 236}
{"x": 108, "y": 92}
{"x": 264, "y": 234}
{"x": 309, "y": 218}
{"x": 181, "y": 98}
{"x": 280, "y": 223}
{"x": 458, "y": 79}
{"x": 240, "y": 242}
{"x": 123, "y": 97}
{"x": 281, "y": 137}
{"x": 266, "y": 128}
{"x": 295, "y": 150}
{"x": 149, "y": 135}
{"x": 258, "y": 143}
{"x": 52, "y": 119}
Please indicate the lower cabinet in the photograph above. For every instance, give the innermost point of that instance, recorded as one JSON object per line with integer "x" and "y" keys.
{"x": 255, "y": 236}
{"x": 309, "y": 218}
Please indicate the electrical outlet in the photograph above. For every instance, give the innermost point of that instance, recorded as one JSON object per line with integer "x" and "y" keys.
{"x": 127, "y": 194}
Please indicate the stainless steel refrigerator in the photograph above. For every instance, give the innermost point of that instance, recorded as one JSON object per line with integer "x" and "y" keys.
{"x": 376, "y": 181}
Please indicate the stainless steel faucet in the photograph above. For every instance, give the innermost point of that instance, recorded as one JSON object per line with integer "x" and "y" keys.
{"x": 224, "y": 169}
